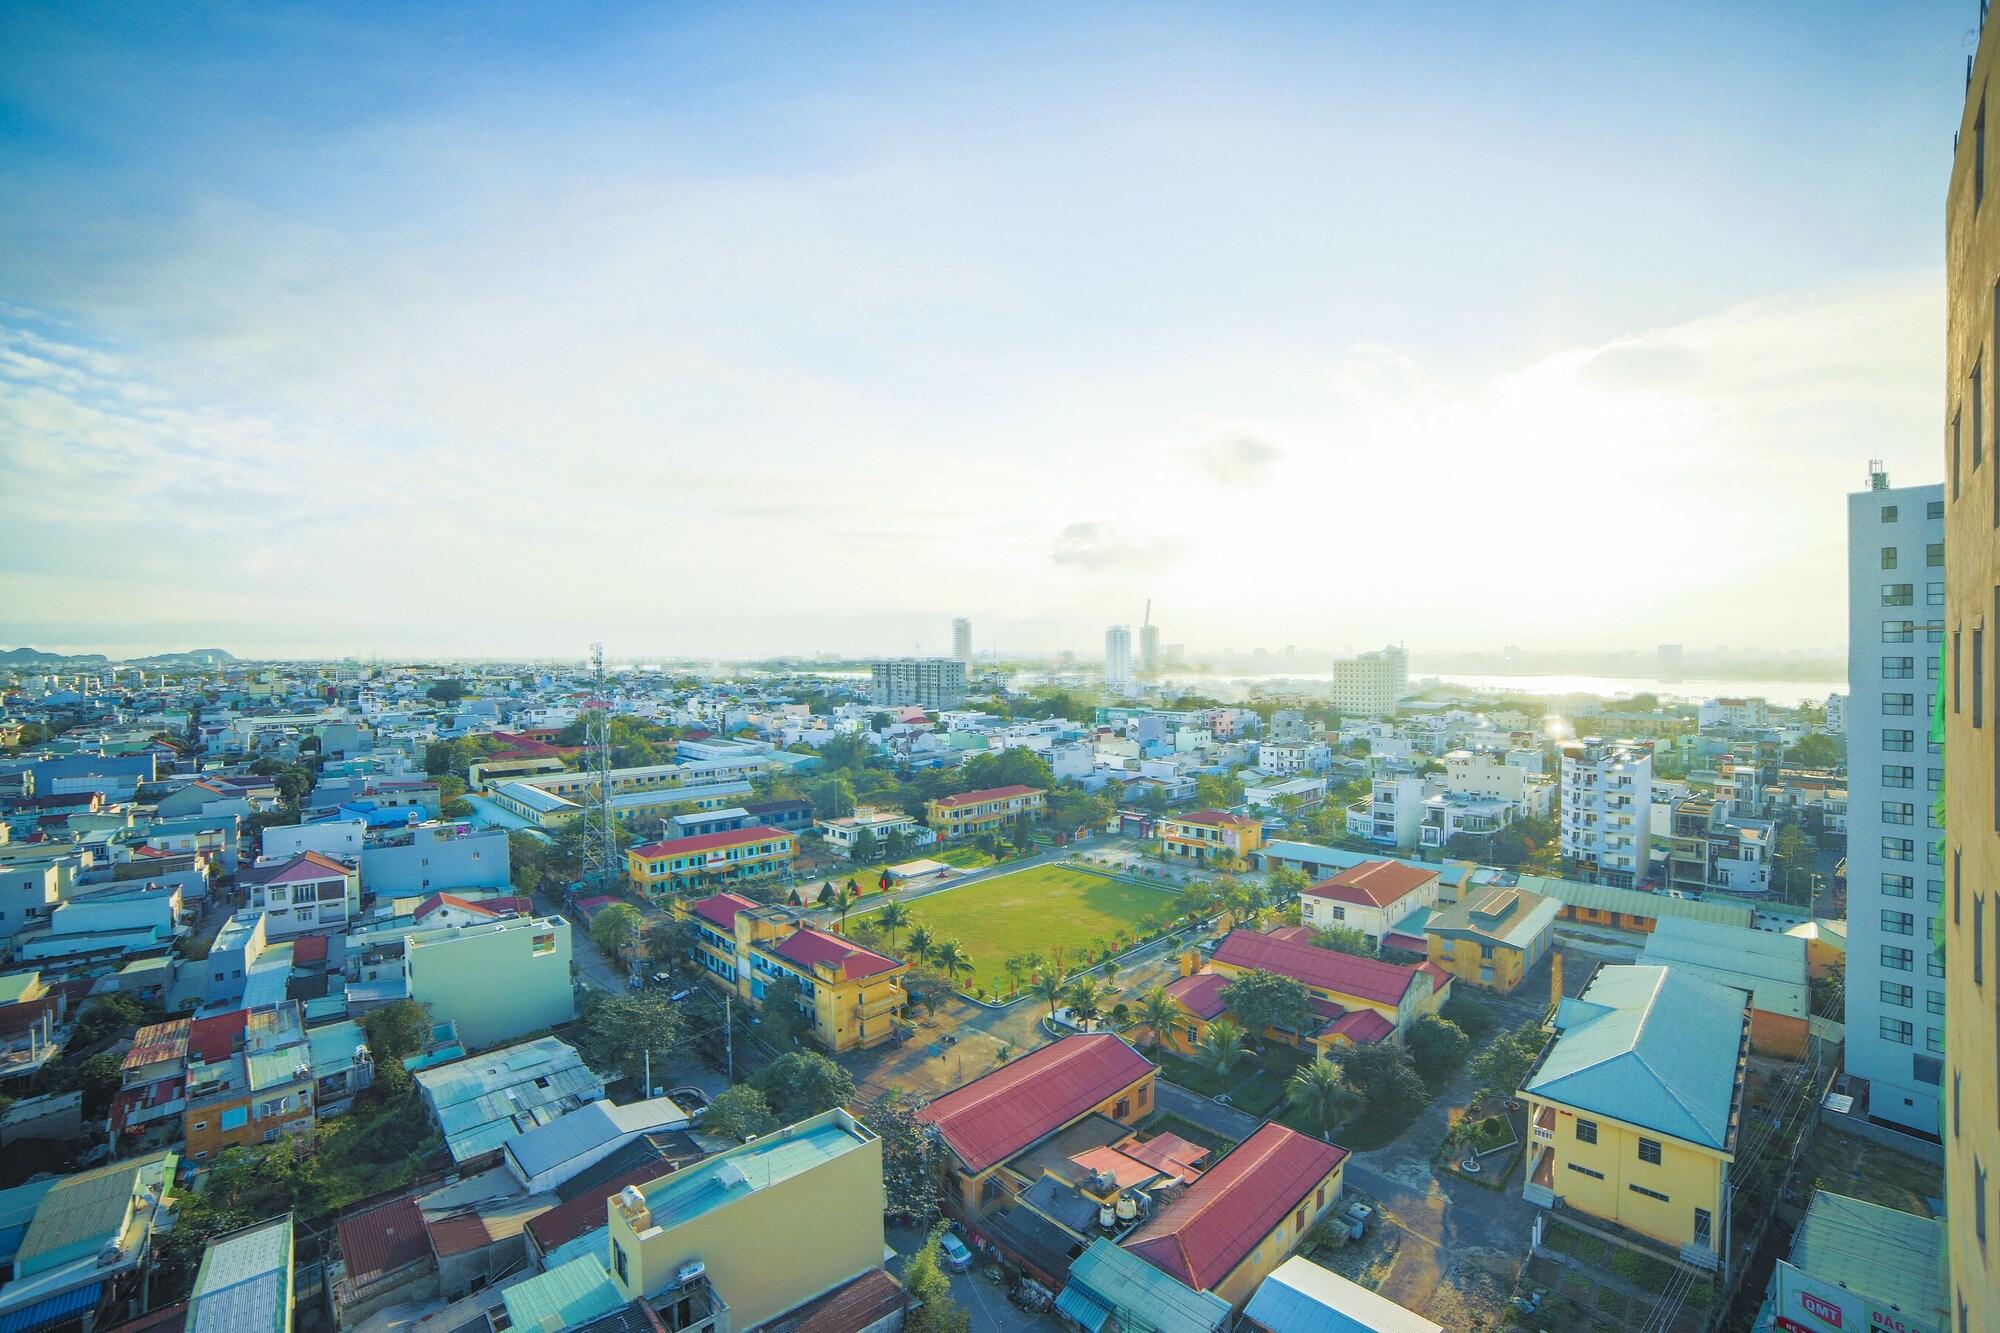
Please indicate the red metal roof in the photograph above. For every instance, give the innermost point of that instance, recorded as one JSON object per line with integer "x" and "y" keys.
{"x": 1201, "y": 1237}
{"x": 995, "y": 1116}
{"x": 1200, "y": 994}
{"x": 566, "y": 1221}
{"x": 309, "y": 948}
{"x": 706, "y": 842}
{"x": 720, "y": 909}
{"x": 157, "y": 1042}
{"x": 215, "y": 1039}
{"x": 989, "y": 794}
{"x": 863, "y": 1303}
{"x": 1363, "y": 1027}
{"x": 459, "y": 1233}
{"x": 1324, "y": 969}
{"x": 1373, "y": 883}
{"x": 383, "y": 1239}
{"x": 1407, "y": 943}
{"x": 809, "y": 948}
{"x": 1439, "y": 977}
{"x": 1219, "y": 818}
{"x": 436, "y": 900}
{"x": 305, "y": 868}
{"x": 1170, "y": 1153}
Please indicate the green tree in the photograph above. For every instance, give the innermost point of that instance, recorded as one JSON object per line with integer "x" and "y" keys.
{"x": 843, "y": 901}
{"x": 1014, "y": 966}
{"x": 1261, "y": 1000}
{"x": 1161, "y": 1013}
{"x": 1220, "y": 1045}
{"x": 952, "y": 961}
{"x": 804, "y": 1083}
{"x": 109, "y": 1015}
{"x": 98, "y": 1079}
{"x": 1817, "y": 750}
{"x": 1387, "y": 1078}
{"x": 1049, "y": 988}
{"x": 866, "y": 851}
{"x": 922, "y": 946}
{"x": 527, "y": 861}
{"x": 892, "y": 918}
{"x": 1217, "y": 791}
{"x": 784, "y": 1015}
{"x": 614, "y": 928}
{"x": 1437, "y": 1045}
{"x": 1086, "y": 1001}
{"x": 670, "y": 943}
{"x": 396, "y": 1030}
{"x": 832, "y": 797}
{"x": 1507, "y": 1057}
{"x": 1344, "y": 939}
{"x": 621, "y": 1031}
{"x": 739, "y": 1112}
{"x": 932, "y": 1309}
{"x": 1322, "y": 1092}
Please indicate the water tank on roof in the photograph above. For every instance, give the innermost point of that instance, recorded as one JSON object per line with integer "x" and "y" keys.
{"x": 1107, "y": 1218}
{"x": 1128, "y": 1210}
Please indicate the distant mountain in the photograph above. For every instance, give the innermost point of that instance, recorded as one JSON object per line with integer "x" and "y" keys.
{"x": 17, "y": 657}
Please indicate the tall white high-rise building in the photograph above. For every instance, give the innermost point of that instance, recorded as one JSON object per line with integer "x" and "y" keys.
{"x": 961, "y": 641}
{"x": 1118, "y": 657}
{"x": 1895, "y": 875}
{"x": 1149, "y": 649}
{"x": 1607, "y": 811}
{"x": 1372, "y": 684}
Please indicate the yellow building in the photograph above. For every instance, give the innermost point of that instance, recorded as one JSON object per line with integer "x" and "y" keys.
{"x": 971, "y": 813}
{"x": 710, "y": 861}
{"x": 758, "y": 1230}
{"x": 997, "y": 1116}
{"x": 1493, "y": 937}
{"x": 855, "y": 995}
{"x": 1971, "y": 621}
{"x": 1635, "y": 1107}
{"x": 1245, "y": 1215}
{"x": 1210, "y": 837}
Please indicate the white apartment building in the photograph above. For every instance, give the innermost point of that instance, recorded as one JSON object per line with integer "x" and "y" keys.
{"x": 1733, "y": 712}
{"x": 1392, "y": 814}
{"x": 961, "y": 641}
{"x": 1895, "y": 879}
{"x": 1836, "y": 714}
{"x": 1472, "y": 773}
{"x": 1607, "y": 810}
{"x": 1118, "y": 658}
{"x": 926, "y": 682}
{"x": 1372, "y": 684}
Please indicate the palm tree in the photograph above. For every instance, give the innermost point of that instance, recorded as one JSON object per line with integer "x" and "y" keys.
{"x": 1032, "y": 962}
{"x": 1057, "y": 956}
{"x": 1014, "y": 966}
{"x": 843, "y": 899}
{"x": 1161, "y": 1013}
{"x": 951, "y": 960}
{"x": 922, "y": 947}
{"x": 1048, "y": 986}
{"x": 1321, "y": 1091}
{"x": 892, "y": 919}
{"x": 1222, "y": 1045}
{"x": 1086, "y": 1001}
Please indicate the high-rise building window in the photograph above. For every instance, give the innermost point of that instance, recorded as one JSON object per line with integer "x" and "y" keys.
{"x": 1899, "y": 704}
{"x": 1898, "y": 993}
{"x": 1934, "y": 509}
{"x": 1899, "y": 668}
{"x": 1899, "y": 1030}
{"x": 1934, "y": 555}
{"x": 1897, "y": 959}
{"x": 1898, "y": 631}
{"x": 1888, "y": 557}
{"x": 1899, "y": 594}
{"x": 1898, "y": 886}
{"x": 1889, "y": 514}
{"x": 1898, "y": 923}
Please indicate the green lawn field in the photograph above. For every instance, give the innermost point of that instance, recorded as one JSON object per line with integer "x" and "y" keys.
{"x": 1034, "y": 911}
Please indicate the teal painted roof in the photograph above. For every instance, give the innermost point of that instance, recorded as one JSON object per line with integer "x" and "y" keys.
{"x": 1652, "y": 1046}
{"x": 1141, "y": 1295}
{"x": 245, "y": 1282}
{"x": 1637, "y": 902}
{"x": 771, "y": 1160}
{"x": 333, "y": 1047}
{"x": 1887, "y": 1255}
{"x": 563, "y": 1297}
{"x": 85, "y": 1212}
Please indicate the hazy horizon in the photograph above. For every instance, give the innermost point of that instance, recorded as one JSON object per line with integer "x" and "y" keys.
{"x": 458, "y": 332}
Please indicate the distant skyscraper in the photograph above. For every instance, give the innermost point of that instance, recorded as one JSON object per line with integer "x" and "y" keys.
{"x": 1149, "y": 649}
{"x": 1895, "y": 983}
{"x": 1372, "y": 684}
{"x": 927, "y": 682}
{"x": 961, "y": 641}
{"x": 1118, "y": 657}
{"x": 1667, "y": 661}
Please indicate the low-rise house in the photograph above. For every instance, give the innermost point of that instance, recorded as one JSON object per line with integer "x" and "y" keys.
{"x": 853, "y": 995}
{"x": 971, "y": 813}
{"x": 1000, "y": 1114}
{"x": 1239, "y": 1221}
{"x": 75, "y": 1248}
{"x": 435, "y": 858}
{"x": 681, "y": 866}
{"x": 1711, "y": 849}
{"x": 1210, "y": 838}
{"x": 305, "y": 892}
{"x": 1111, "y": 1287}
{"x": 1635, "y": 1107}
{"x": 1770, "y": 967}
{"x": 1392, "y": 814}
{"x": 1357, "y": 1001}
{"x": 549, "y": 1155}
{"x": 254, "y": 1094}
{"x": 1493, "y": 937}
{"x": 697, "y": 1244}
{"x": 245, "y": 1282}
{"x": 495, "y": 980}
{"x": 1302, "y": 1297}
{"x": 481, "y": 1102}
{"x": 1373, "y": 897}
{"x": 845, "y": 833}
{"x": 1857, "y": 1265}
{"x": 152, "y": 1081}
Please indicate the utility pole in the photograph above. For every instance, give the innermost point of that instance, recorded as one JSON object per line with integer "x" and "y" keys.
{"x": 728, "y": 1035}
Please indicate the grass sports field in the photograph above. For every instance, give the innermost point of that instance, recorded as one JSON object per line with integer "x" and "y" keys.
{"x": 1033, "y": 911}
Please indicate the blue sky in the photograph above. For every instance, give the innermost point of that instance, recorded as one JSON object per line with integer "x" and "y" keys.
{"x": 745, "y": 330}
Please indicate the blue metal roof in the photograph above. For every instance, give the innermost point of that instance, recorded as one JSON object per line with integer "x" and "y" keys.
{"x": 51, "y": 1309}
